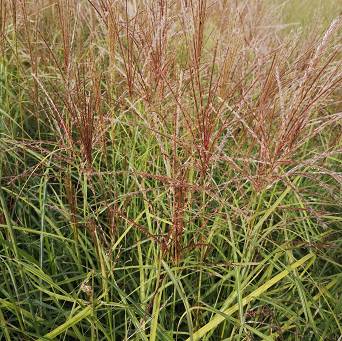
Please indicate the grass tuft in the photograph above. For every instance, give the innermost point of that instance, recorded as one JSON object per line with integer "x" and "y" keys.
{"x": 170, "y": 170}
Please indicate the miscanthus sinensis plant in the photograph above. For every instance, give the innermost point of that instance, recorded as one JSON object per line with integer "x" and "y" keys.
{"x": 170, "y": 170}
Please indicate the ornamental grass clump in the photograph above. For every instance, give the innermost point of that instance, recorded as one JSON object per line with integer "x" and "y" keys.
{"x": 169, "y": 170}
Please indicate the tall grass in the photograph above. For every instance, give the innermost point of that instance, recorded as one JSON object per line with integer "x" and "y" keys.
{"x": 169, "y": 170}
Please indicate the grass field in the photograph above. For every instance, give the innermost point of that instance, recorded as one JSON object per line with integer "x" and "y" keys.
{"x": 170, "y": 170}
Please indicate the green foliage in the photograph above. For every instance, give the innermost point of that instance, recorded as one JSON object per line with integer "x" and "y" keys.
{"x": 117, "y": 224}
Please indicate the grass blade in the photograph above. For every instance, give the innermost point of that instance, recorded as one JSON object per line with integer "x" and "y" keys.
{"x": 255, "y": 294}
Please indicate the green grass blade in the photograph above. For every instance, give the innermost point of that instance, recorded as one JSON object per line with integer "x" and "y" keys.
{"x": 84, "y": 313}
{"x": 255, "y": 294}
